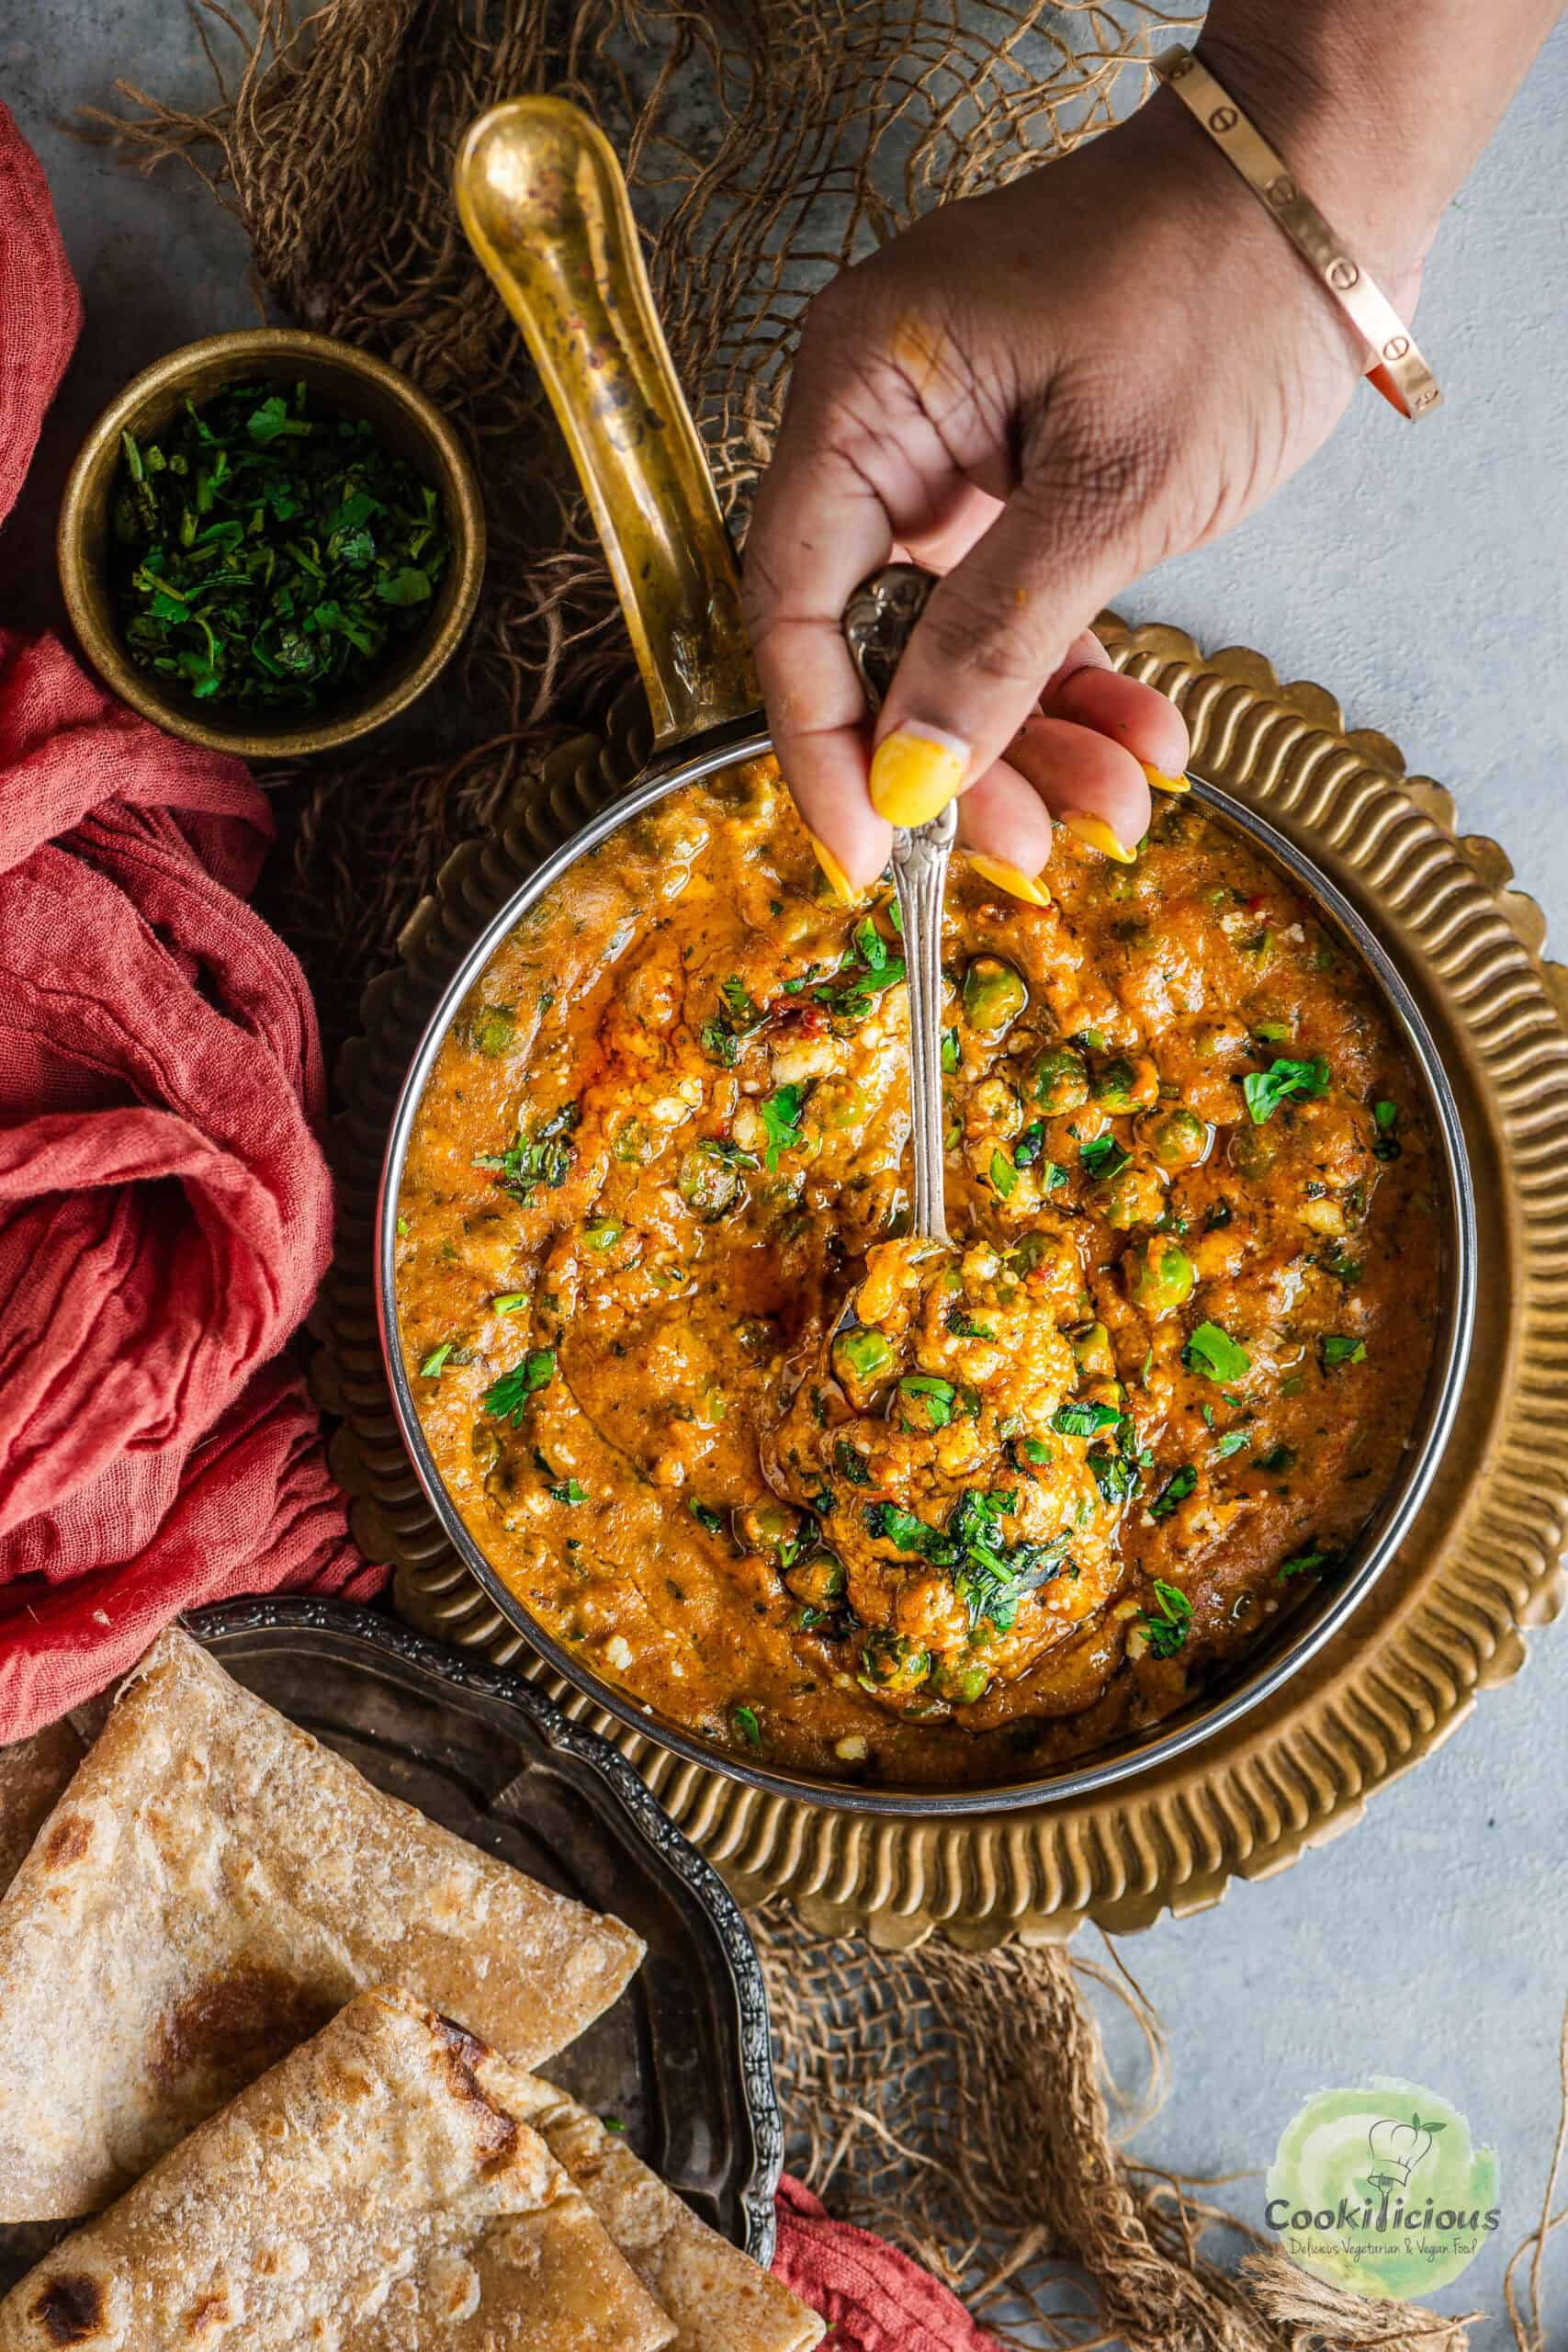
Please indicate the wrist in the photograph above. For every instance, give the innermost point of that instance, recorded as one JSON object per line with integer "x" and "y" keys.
{"x": 1336, "y": 122}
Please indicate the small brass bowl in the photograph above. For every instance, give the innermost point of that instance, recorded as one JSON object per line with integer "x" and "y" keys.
{"x": 346, "y": 379}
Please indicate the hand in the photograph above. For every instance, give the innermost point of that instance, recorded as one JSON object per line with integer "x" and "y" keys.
{"x": 1038, "y": 393}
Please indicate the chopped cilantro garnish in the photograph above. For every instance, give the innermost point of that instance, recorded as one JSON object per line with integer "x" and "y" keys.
{"x": 509, "y": 1302}
{"x": 707, "y": 1516}
{"x": 781, "y": 1117}
{"x": 507, "y": 1396}
{"x": 1175, "y": 1489}
{"x": 266, "y": 553}
{"x": 570, "y": 1492}
{"x": 1084, "y": 1421}
{"x": 950, "y": 1050}
{"x": 1032, "y": 1451}
{"x": 962, "y": 1325}
{"x": 1030, "y": 1145}
{"x": 851, "y": 1463}
{"x": 745, "y": 1721}
{"x": 1305, "y": 1564}
{"x": 1105, "y": 1157}
{"x": 737, "y": 1018}
{"x": 543, "y": 1157}
{"x": 1053, "y": 1176}
{"x": 1232, "y": 1442}
{"x": 1004, "y": 1175}
{"x": 1336, "y": 1350}
{"x": 1114, "y": 1475}
{"x": 901, "y": 1528}
{"x": 1284, "y": 1080}
{"x": 431, "y": 1368}
{"x": 1215, "y": 1354}
{"x": 934, "y": 1395}
{"x": 856, "y": 986}
{"x": 1167, "y": 1626}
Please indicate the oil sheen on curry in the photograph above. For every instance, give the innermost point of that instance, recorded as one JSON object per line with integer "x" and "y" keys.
{"x": 847, "y": 1503}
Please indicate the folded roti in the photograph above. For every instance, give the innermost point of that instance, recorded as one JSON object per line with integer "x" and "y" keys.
{"x": 368, "y": 2195}
{"x": 32, "y": 1773}
{"x": 719, "y": 2300}
{"x": 212, "y": 1888}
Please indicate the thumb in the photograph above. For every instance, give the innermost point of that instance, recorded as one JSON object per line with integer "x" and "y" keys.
{"x": 992, "y": 633}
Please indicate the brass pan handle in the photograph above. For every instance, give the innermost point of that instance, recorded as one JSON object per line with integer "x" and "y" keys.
{"x": 544, "y": 203}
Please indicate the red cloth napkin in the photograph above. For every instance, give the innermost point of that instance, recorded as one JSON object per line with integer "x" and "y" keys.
{"x": 874, "y": 2297}
{"x": 166, "y": 1213}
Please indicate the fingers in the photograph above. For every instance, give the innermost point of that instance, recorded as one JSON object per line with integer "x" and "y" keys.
{"x": 1005, "y": 831}
{"x": 1125, "y": 710}
{"x": 819, "y": 528}
{"x": 995, "y": 629}
{"x": 1096, "y": 787}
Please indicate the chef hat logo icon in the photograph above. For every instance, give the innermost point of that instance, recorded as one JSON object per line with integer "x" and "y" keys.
{"x": 1398, "y": 2147}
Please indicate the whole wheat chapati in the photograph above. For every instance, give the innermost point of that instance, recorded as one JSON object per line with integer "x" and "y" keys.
{"x": 209, "y": 1889}
{"x": 718, "y": 2298}
{"x": 366, "y": 2195}
{"x": 32, "y": 1774}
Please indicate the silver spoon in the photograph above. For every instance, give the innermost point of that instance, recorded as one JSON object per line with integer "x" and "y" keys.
{"x": 877, "y": 623}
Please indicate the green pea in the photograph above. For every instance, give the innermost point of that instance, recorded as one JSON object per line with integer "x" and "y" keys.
{"x": 1177, "y": 1139}
{"x": 890, "y": 1661}
{"x": 1116, "y": 1088}
{"x": 959, "y": 1682}
{"x": 862, "y": 1354}
{"x": 768, "y": 1526}
{"x": 820, "y": 1582}
{"x": 1159, "y": 1276}
{"x": 1252, "y": 1151}
{"x": 710, "y": 1186}
{"x": 492, "y": 1028}
{"x": 603, "y": 1232}
{"x": 1058, "y": 1081}
{"x": 1092, "y": 1349}
{"x": 994, "y": 995}
{"x": 1134, "y": 1196}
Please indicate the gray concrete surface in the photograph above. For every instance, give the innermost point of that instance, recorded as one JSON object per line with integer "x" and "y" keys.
{"x": 1420, "y": 574}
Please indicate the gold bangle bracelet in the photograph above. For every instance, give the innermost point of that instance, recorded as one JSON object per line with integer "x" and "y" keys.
{"x": 1398, "y": 370}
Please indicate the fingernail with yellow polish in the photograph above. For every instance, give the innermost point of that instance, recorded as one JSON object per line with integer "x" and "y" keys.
{"x": 1159, "y": 782}
{"x": 843, "y": 887}
{"x": 1097, "y": 834}
{"x": 1009, "y": 878}
{"x": 915, "y": 774}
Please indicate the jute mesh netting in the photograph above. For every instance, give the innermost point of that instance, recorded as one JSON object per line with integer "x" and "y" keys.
{"x": 953, "y": 2101}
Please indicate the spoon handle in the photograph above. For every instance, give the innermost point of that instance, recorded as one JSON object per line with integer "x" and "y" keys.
{"x": 919, "y": 869}
{"x": 878, "y": 619}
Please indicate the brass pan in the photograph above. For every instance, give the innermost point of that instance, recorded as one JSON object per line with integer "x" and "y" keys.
{"x": 544, "y": 201}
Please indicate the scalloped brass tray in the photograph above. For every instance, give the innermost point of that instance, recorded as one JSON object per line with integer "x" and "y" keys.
{"x": 1448, "y": 1617}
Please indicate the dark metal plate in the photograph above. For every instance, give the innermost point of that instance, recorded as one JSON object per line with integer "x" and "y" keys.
{"x": 682, "y": 2059}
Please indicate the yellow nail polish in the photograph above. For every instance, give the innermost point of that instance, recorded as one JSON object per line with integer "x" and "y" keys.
{"x": 1009, "y": 878}
{"x": 843, "y": 887}
{"x": 1159, "y": 782}
{"x": 1097, "y": 834}
{"x": 915, "y": 774}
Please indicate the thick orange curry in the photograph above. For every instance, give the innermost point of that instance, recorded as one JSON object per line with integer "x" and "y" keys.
{"x": 853, "y": 1504}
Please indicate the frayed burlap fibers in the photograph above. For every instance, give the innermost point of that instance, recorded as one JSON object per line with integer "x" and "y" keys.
{"x": 958, "y": 2104}
{"x": 951, "y": 2101}
{"x": 766, "y": 142}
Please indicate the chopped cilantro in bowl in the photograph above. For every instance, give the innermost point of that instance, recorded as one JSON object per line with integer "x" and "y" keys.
{"x": 269, "y": 553}
{"x": 395, "y": 446}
